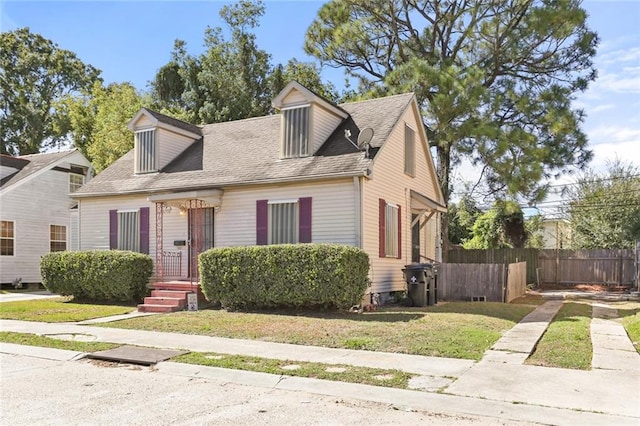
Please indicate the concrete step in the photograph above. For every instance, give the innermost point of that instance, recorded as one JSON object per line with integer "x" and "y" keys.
{"x": 158, "y": 308}
{"x": 180, "y": 302}
{"x": 170, "y": 293}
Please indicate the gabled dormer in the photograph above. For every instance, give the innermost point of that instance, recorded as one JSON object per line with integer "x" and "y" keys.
{"x": 159, "y": 139}
{"x": 307, "y": 120}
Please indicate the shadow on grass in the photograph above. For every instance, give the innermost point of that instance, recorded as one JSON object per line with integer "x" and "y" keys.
{"x": 396, "y": 314}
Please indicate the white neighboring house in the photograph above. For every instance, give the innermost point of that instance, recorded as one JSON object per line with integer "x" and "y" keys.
{"x": 294, "y": 177}
{"x": 556, "y": 234}
{"x": 37, "y": 215}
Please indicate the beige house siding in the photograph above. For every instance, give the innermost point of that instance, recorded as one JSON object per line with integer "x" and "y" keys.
{"x": 332, "y": 212}
{"x": 294, "y": 97}
{"x": 389, "y": 182}
{"x": 143, "y": 121}
{"x": 33, "y": 205}
{"x": 324, "y": 123}
{"x": 170, "y": 145}
{"x": 333, "y": 216}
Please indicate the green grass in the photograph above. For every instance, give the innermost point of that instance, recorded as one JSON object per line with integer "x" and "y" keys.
{"x": 456, "y": 330}
{"x": 48, "y": 342}
{"x": 567, "y": 341}
{"x": 351, "y": 374}
{"x": 630, "y": 314}
{"x": 60, "y": 309}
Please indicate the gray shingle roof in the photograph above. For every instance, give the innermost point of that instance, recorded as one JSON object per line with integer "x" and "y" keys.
{"x": 174, "y": 122}
{"x": 246, "y": 151}
{"x": 28, "y": 164}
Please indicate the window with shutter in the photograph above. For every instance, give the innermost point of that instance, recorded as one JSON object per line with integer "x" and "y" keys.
{"x": 409, "y": 151}
{"x": 283, "y": 223}
{"x": 390, "y": 234}
{"x": 128, "y": 231}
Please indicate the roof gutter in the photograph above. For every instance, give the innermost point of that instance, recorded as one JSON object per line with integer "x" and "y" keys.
{"x": 365, "y": 173}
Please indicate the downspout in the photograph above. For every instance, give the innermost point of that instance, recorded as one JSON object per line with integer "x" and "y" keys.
{"x": 357, "y": 202}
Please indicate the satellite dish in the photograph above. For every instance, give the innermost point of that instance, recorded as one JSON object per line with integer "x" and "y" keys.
{"x": 365, "y": 136}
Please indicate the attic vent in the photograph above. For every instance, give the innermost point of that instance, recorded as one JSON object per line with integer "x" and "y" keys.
{"x": 146, "y": 151}
{"x": 295, "y": 132}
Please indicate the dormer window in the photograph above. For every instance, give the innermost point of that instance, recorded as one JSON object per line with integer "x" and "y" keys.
{"x": 295, "y": 132}
{"x": 146, "y": 151}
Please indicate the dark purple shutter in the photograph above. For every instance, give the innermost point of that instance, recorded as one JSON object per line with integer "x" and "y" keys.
{"x": 113, "y": 229}
{"x": 262, "y": 218}
{"x": 399, "y": 232}
{"x": 381, "y": 228}
{"x": 304, "y": 221}
{"x": 144, "y": 230}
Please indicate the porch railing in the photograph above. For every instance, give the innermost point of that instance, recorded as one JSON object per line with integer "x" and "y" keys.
{"x": 172, "y": 263}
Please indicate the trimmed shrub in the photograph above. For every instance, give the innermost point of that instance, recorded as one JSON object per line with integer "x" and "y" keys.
{"x": 105, "y": 275}
{"x": 287, "y": 275}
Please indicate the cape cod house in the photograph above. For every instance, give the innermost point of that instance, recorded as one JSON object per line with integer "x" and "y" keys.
{"x": 359, "y": 173}
{"x": 37, "y": 214}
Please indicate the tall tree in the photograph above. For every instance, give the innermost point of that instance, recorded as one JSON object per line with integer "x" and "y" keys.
{"x": 305, "y": 73}
{"x": 604, "y": 209}
{"x": 501, "y": 226}
{"x": 34, "y": 75}
{"x": 495, "y": 78}
{"x": 98, "y": 121}
{"x": 462, "y": 217}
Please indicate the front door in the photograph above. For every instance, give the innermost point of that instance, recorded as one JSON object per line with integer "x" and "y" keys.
{"x": 415, "y": 240}
{"x": 200, "y": 236}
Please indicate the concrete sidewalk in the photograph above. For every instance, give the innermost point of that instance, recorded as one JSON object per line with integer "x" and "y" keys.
{"x": 498, "y": 385}
{"x": 26, "y": 295}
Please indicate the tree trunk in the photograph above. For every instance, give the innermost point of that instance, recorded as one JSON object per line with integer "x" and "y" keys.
{"x": 444, "y": 168}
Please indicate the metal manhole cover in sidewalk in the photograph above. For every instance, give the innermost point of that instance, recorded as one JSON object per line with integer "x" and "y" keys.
{"x": 136, "y": 355}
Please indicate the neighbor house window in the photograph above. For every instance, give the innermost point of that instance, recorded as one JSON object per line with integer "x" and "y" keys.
{"x": 57, "y": 238}
{"x": 146, "y": 151}
{"x": 295, "y": 132}
{"x": 75, "y": 182}
{"x": 7, "y": 238}
{"x": 390, "y": 231}
{"x": 409, "y": 151}
{"x": 283, "y": 223}
{"x": 128, "y": 230}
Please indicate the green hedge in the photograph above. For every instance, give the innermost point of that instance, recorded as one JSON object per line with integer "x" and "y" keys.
{"x": 288, "y": 275}
{"x": 105, "y": 275}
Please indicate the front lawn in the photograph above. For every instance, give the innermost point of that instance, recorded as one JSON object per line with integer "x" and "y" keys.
{"x": 61, "y": 309}
{"x": 456, "y": 330}
{"x": 49, "y": 342}
{"x": 630, "y": 314}
{"x": 567, "y": 341}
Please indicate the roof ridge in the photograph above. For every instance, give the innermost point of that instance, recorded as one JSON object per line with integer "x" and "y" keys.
{"x": 378, "y": 99}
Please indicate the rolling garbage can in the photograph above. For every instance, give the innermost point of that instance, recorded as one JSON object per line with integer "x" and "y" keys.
{"x": 417, "y": 278}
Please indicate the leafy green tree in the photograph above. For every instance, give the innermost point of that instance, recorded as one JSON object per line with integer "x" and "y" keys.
{"x": 604, "y": 209}
{"x": 495, "y": 78}
{"x": 98, "y": 122}
{"x": 502, "y": 226}
{"x": 305, "y": 73}
{"x": 462, "y": 217}
{"x": 533, "y": 228}
{"x": 34, "y": 74}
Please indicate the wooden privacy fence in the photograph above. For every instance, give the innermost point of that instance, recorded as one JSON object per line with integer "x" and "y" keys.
{"x": 481, "y": 282}
{"x": 502, "y": 256}
{"x": 562, "y": 266}
{"x": 587, "y": 267}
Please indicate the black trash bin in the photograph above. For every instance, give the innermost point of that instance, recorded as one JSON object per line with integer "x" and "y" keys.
{"x": 417, "y": 278}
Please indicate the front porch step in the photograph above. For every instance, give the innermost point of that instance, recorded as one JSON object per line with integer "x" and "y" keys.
{"x": 170, "y": 293}
{"x": 157, "y": 308}
{"x": 180, "y": 302}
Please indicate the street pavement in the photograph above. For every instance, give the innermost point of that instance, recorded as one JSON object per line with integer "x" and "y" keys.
{"x": 496, "y": 389}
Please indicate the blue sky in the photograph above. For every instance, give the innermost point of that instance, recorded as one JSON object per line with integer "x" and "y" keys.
{"x": 129, "y": 41}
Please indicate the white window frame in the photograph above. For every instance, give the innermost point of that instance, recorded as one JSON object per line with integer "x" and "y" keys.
{"x": 296, "y": 139}
{"x": 74, "y": 186}
{"x": 126, "y": 225}
{"x": 391, "y": 230}
{"x": 51, "y": 240}
{"x": 148, "y": 139}
{"x": 409, "y": 151}
{"x": 12, "y": 238}
{"x": 275, "y": 235}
